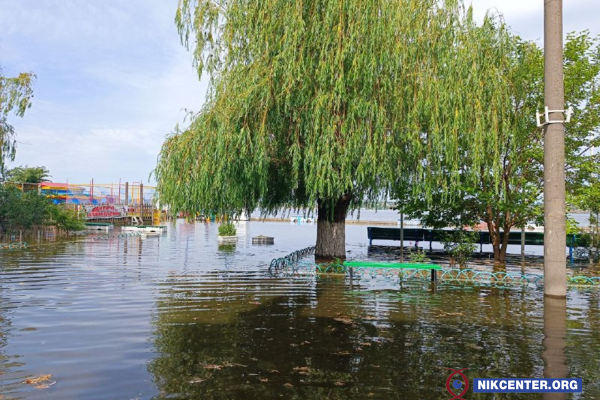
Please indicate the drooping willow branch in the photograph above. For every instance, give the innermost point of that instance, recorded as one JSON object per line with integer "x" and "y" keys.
{"x": 316, "y": 99}
{"x": 15, "y": 97}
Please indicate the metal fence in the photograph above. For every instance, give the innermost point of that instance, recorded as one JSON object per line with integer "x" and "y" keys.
{"x": 295, "y": 264}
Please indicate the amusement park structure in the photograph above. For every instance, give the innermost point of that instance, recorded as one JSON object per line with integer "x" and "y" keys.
{"x": 113, "y": 202}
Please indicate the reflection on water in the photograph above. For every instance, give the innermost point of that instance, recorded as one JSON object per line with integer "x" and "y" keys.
{"x": 555, "y": 342}
{"x": 176, "y": 317}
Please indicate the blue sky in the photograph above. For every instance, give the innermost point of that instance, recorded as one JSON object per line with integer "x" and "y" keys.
{"x": 113, "y": 79}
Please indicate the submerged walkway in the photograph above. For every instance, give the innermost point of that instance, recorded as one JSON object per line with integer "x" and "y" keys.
{"x": 296, "y": 263}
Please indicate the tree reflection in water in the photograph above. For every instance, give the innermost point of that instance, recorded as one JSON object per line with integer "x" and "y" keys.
{"x": 327, "y": 342}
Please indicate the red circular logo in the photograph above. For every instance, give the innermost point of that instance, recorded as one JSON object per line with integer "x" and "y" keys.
{"x": 449, "y": 388}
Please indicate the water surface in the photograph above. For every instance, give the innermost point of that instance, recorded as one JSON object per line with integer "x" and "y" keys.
{"x": 177, "y": 317}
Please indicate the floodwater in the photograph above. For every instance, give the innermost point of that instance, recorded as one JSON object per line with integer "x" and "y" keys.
{"x": 386, "y": 215}
{"x": 175, "y": 317}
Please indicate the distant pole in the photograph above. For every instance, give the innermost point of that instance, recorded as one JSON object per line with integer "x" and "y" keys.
{"x": 402, "y": 236}
{"x": 555, "y": 238}
{"x": 142, "y": 202}
{"x": 126, "y": 192}
{"x": 523, "y": 246}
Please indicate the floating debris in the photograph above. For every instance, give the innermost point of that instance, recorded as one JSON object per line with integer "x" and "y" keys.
{"x": 218, "y": 367}
{"x": 302, "y": 370}
{"x": 41, "y": 382}
{"x": 344, "y": 320}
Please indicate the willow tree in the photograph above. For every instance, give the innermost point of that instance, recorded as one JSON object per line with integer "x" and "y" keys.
{"x": 15, "y": 98}
{"x": 325, "y": 104}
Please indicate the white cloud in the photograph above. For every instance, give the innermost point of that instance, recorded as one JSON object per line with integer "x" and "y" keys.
{"x": 112, "y": 82}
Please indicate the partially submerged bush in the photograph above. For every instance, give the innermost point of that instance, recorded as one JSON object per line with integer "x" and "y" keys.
{"x": 460, "y": 245}
{"x": 227, "y": 229}
{"x": 64, "y": 219}
{"x": 21, "y": 211}
{"x": 334, "y": 267}
{"x": 417, "y": 256}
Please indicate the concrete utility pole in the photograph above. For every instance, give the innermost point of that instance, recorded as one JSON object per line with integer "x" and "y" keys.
{"x": 555, "y": 238}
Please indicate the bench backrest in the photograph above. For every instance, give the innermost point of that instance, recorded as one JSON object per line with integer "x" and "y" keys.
{"x": 394, "y": 233}
{"x": 430, "y": 235}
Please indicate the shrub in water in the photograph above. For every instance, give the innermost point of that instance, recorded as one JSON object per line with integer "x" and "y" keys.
{"x": 227, "y": 229}
{"x": 417, "y": 257}
{"x": 460, "y": 245}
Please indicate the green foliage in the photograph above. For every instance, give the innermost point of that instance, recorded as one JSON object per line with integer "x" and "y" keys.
{"x": 15, "y": 98}
{"x": 572, "y": 226}
{"x": 227, "y": 229}
{"x": 334, "y": 267}
{"x": 64, "y": 219}
{"x": 28, "y": 174}
{"x": 21, "y": 211}
{"x": 582, "y": 91}
{"x": 516, "y": 198}
{"x": 320, "y": 100}
{"x": 460, "y": 245}
{"x": 417, "y": 256}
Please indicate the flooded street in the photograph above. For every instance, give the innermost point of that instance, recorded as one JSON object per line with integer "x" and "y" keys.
{"x": 177, "y": 317}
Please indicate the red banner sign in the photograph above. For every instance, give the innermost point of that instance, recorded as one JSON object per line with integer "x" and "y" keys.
{"x": 105, "y": 211}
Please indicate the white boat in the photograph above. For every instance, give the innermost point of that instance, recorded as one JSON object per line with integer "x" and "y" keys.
{"x": 144, "y": 228}
{"x": 98, "y": 226}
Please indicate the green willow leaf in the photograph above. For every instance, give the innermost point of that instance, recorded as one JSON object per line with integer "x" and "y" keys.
{"x": 313, "y": 100}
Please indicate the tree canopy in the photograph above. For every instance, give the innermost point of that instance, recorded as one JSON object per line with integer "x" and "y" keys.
{"x": 16, "y": 94}
{"x": 21, "y": 211}
{"x": 516, "y": 199}
{"x": 317, "y": 100}
{"x": 28, "y": 174}
{"x": 582, "y": 138}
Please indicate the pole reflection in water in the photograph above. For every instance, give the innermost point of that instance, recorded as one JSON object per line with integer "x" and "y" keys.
{"x": 555, "y": 342}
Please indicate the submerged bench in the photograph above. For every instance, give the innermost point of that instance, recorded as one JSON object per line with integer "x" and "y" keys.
{"x": 414, "y": 234}
{"x": 373, "y": 264}
{"x": 432, "y": 235}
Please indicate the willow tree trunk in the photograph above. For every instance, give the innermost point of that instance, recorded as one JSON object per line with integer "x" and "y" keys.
{"x": 501, "y": 259}
{"x": 331, "y": 229}
{"x": 499, "y": 242}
